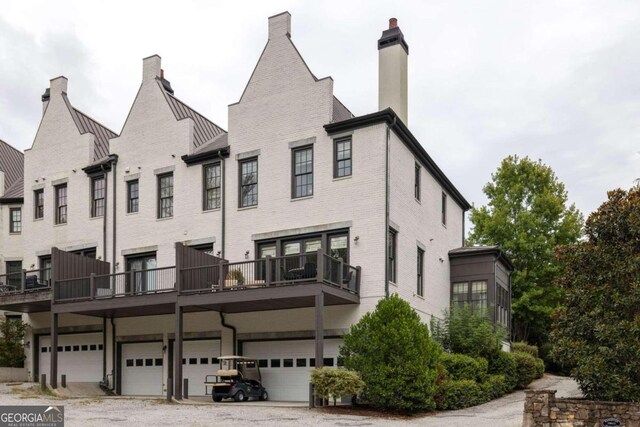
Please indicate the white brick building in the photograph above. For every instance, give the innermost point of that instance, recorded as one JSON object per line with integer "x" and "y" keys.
{"x": 176, "y": 241}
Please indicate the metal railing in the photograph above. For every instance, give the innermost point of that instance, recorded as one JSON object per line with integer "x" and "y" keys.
{"x": 25, "y": 281}
{"x": 135, "y": 282}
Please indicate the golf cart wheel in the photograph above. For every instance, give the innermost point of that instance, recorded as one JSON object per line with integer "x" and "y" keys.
{"x": 264, "y": 395}
{"x": 217, "y": 398}
{"x": 245, "y": 398}
{"x": 239, "y": 397}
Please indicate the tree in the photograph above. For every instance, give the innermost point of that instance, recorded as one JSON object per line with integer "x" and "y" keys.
{"x": 597, "y": 330}
{"x": 395, "y": 356}
{"x": 527, "y": 215}
{"x": 11, "y": 343}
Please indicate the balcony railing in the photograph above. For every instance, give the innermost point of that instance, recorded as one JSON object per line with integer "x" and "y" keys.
{"x": 25, "y": 281}
{"x": 135, "y": 282}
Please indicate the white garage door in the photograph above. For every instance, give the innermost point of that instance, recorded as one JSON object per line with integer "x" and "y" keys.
{"x": 200, "y": 358}
{"x": 79, "y": 357}
{"x": 285, "y": 365}
{"x": 142, "y": 369}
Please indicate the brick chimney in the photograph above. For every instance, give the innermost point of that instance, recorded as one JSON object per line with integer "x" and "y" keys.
{"x": 280, "y": 25}
{"x": 151, "y": 67}
{"x": 57, "y": 86}
{"x": 393, "y": 54}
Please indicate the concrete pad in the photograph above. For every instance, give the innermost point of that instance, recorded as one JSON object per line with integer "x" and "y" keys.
{"x": 79, "y": 390}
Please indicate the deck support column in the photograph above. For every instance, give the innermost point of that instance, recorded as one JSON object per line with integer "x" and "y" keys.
{"x": 319, "y": 332}
{"x": 54, "y": 350}
{"x": 177, "y": 353}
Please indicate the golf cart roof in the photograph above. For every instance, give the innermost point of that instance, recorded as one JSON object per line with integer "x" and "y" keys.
{"x": 236, "y": 358}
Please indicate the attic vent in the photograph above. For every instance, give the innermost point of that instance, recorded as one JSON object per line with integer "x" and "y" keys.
{"x": 46, "y": 95}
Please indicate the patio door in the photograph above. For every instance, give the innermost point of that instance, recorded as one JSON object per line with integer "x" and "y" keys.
{"x": 141, "y": 280}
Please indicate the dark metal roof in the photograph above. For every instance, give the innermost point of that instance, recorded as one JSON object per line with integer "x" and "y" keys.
{"x": 466, "y": 251}
{"x": 204, "y": 129}
{"x": 86, "y": 124}
{"x": 340, "y": 112}
{"x": 12, "y": 164}
{"x": 395, "y": 123}
{"x": 216, "y": 148}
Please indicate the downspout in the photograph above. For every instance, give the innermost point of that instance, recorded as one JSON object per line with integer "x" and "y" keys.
{"x": 114, "y": 164}
{"x": 386, "y": 212}
{"x": 463, "y": 227}
{"x": 233, "y": 330}
{"x": 104, "y": 217}
{"x": 113, "y": 354}
{"x": 104, "y": 349}
{"x": 224, "y": 198}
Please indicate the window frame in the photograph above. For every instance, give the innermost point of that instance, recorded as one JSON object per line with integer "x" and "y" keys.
{"x": 94, "y": 199}
{"x": 444, "y": 208}
{"x": 294, "y": 175}
{"x": 420, "y": 272}
{"x": 392, "y": 255}
{"x": 336, "y": 161}
{"x": 130, "y": 199}
{"x": 15, "y": 226}
{"x": 206, "y": 188}
{"x": 38, "y": 203}
{"x": 469, "y": 295}
{"x": 241, "y": 185}
{"x": 59, "y": 218}
{"x": 161, "y": 177}
{"x": 417, "y": 190}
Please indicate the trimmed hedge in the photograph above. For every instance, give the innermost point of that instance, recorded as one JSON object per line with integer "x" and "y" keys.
{"x": 332, "y": 383}
{"x": 460, "y": 394}
{"x": 523, "y": 347}
{"x": 504, "y": 363}
{"x": 526, "y": 368}
{"x": 539, "y": 368}
{"x": 462, "y": 367}
{"x": 494, "y": 386}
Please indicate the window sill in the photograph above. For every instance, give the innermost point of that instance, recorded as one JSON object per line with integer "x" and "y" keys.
{"x": 204, "y": 211}
{"x": 96, "y": 217}
{"x": 131, "y": 213}
{"x": 444, "y": 225}
{"x": 246, "y": 208}
{"x": 419, "y": 296}
{"x": 342, "y": 178}
{"x": 301, "y": 198}
{"x": 15, "y": 233}
{"x": 164, "y": 219}
{"x": 417, "y": 200}
{"x": 393, "y": 284}
{"x": 61, "y": 224}
{"x": 38, "y": 219}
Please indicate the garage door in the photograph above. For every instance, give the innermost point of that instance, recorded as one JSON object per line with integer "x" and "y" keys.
{"x": 79, "y": 357}
{"x": 142, "y": 369}
{"x": 200, "y": 359}
{"x": 285, "y": 365}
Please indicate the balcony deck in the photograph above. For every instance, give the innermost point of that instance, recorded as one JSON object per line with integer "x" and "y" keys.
{"x": 26, "y": 291}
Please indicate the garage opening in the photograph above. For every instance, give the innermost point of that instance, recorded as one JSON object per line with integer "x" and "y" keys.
{"x": 79, "y": 357}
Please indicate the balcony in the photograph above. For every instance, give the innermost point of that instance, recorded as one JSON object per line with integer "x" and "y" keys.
{"x": 27, "y": 291}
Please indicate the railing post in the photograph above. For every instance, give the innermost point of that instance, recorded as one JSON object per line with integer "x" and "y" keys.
{"x": 341, "y": 273}
{"x": 221, "y": 275}
{"x": 358, "y": 276}
{"x": 92, "y": 286}
{"x": 267, "y": 270}
{"x": 320, "y": 267}
{"x": 132, "y": 281}
{"x": 185, "y": 388}
{"x": 23, "y": 280}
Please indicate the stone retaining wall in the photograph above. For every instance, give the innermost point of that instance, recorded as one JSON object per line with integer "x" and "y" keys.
{"x": 543, "y": 409}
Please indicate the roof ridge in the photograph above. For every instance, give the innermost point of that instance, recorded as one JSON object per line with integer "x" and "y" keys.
{"x": 12, "y": 147}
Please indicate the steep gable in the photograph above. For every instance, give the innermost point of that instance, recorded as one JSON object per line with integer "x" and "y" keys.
{"x": 12, "y": 165}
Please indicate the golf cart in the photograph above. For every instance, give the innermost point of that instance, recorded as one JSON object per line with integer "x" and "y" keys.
{"x": 238, "y": 378}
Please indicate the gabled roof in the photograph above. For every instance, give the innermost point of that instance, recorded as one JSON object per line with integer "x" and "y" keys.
{"x": 86, "y": 124}
{"x": 12, "y": 164}
{"x": 15, "y": 190}
{"x": 204, "y": 130}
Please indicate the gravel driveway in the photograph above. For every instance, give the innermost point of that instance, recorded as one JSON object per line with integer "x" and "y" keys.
{"x": 110, "y": 411}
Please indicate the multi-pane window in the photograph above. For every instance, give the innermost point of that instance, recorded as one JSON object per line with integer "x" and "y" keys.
{"x": 502, "y": 305}
{"x": 420, "y": 265}
{"x": 14, "y": 271}
{"x": 132, "y": 196}
{"x": 38, "y": 204}
{"x": 472, "y": 293}
{"x": 392, "y": 247}
{"x": 444, "y": 209}
{"x": 416, "y": 182}
{"x": 97, "y": 196}
{"x": 302, "y": 172}
{"x": 248, "y": 182}
{"x": 342, "y": 165}
{"x": 61, "y": 204}
{"x": 212, "y": 184}
{"x": 15, "y": 220}
{"x": 165, "y": 195}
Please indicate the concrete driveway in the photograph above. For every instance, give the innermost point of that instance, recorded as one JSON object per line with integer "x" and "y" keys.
{"x": 122, "y": 411}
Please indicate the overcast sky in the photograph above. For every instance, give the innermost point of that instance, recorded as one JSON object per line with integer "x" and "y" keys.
{"x": 554, "y": 80}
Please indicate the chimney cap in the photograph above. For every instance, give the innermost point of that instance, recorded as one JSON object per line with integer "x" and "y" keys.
{"x": 393, "y": 23}
{"x": 393, "y": 36}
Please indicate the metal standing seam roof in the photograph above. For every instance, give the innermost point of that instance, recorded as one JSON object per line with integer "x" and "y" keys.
{"x": 86, "y": 124}
{"x": 204, "y": 129}
{"x": 12, "y": 164}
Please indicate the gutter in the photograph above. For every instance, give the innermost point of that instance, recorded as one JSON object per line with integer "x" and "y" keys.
{"x": 224, "y": 199}
{"x": 386, "y": 212}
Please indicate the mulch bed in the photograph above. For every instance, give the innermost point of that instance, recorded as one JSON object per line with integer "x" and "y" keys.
{"x": 366, "y": 411}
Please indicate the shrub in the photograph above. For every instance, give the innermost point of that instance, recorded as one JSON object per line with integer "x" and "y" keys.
{"x": 331, "y": 383}
{"x": 525, "y": 367}
{"x": 466, "y": 332}
{"x": 523, "y": 347}
{"x": 539, "y": 368}
{"x": 462, "y": 367}
{"x": 504, "y": 363}
{"x": 12, "y": 334}
{"x": 236, "y": 275}
{"x": 494, "y": 386}
{"x": 395, "y": 356}
{"x": 460, "y": 394}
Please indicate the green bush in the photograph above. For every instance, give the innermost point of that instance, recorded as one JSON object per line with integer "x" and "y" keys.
{"x": 331, "y": 383}
{"x": 504, "y": 363}
{"x": 523, "y": 347}
{"x": 236, "y": 275}
{"x": 396, "y": 358}
{"x": 466, "y": 332}
{"x": 12, "y": 334}
{"x": 526, "y": 368}
{"x": 494, "y": 386}
{"x": 539, "y": 368}
{"x": 460, "y": 394}
{"x": 462, "y": 367}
